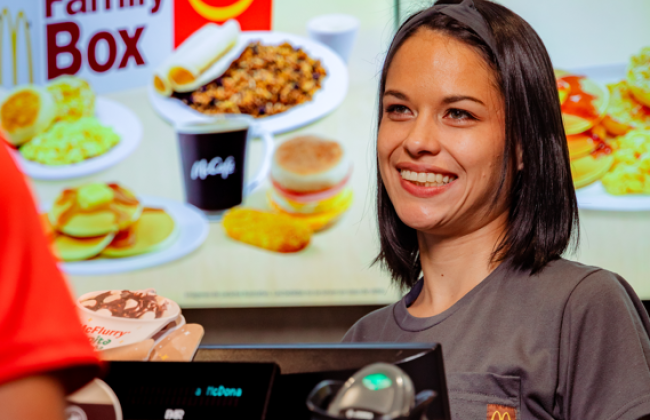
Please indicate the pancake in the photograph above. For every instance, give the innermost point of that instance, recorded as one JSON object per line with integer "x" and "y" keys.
{"x": 94, "y": 210}
{"x": 585, "y": 105}
{"x": 76, "y": 249}
{"x": 580, "y": 145}
{"x": 154, "y": 230}
{"x": 590, "y": 168}
{"x": 309, "y": 163}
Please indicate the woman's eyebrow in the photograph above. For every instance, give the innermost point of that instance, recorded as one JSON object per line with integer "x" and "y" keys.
{"x": 458, "y": 98}
{"x": 398, "y": 95}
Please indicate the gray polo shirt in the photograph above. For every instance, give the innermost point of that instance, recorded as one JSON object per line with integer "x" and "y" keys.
{"x": 569, "y": 343}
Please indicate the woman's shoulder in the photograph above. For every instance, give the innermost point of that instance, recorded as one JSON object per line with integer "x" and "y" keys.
{"x": 370, "y": 327}
{"x": 581, "y": 285}
{"x": 565, "y": 276}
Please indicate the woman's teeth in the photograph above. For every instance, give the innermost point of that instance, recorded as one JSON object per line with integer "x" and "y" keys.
{"x": 427, "y": 179}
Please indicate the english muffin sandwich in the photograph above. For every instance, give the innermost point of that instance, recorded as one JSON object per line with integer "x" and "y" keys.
{"x": 309, "y": 176}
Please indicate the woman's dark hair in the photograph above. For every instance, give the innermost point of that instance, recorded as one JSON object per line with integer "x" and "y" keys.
{"x": 543, "y": 208}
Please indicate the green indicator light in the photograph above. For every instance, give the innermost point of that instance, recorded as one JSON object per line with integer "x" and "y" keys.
{"x": 376, "y": 381}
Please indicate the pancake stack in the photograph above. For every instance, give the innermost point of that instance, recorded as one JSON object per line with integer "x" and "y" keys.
{"x": 309, "y": 177}
{"x": 584, "y": 104}
{"x": 106, "y": 220}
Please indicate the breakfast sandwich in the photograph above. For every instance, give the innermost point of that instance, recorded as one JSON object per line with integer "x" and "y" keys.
{"x": 73, "y": 96}
{"x": 25, "y": 112}
{"x": 309, "y": 178}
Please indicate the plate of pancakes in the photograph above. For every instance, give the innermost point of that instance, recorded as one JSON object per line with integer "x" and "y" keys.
{"x": 608, "y": 134}
{"x": 327, "y": 98}
{"x": 100, "y": 228}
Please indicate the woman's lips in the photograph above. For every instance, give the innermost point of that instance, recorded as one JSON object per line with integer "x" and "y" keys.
{"x": 425, "y": 184}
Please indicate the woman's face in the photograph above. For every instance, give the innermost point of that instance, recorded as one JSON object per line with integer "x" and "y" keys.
{"x": 442, "y": 135}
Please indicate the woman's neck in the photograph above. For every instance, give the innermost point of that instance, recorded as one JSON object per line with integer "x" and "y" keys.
{"x": 452, "y": 266}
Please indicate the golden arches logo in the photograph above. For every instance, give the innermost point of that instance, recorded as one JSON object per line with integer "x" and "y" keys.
{"x": 14, "y": 27}
{"x": 497, "y": 415}
{"x": 220, "y": 14}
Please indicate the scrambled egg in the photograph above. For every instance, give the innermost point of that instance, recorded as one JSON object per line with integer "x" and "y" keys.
{"x": 630, "y": 173}
{"x": 624, "y": 108}
{"x": 638, "y": 76}
{"x": 70, "y": 142}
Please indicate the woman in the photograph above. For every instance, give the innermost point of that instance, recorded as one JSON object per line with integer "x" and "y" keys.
{"x": 475, "y": 195}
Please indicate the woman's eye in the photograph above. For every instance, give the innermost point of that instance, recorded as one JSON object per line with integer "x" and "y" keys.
{"x": 397, "y": 109}
{"x": 459, "y": 114}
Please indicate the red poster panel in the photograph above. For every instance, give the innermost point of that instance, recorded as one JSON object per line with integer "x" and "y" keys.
{"x": 189, "y": 15}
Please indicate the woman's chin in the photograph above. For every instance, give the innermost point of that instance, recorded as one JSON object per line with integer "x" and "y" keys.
{"x": 420, "y": 218}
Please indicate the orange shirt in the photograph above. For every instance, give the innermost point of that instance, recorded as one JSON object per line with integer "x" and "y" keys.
{"x": 39, "y": 327}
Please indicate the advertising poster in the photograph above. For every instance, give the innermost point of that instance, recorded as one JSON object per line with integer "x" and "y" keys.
{"x": 221, "y": 152}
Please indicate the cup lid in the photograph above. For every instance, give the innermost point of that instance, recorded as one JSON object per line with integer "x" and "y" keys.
{"x": 220, "y": 124}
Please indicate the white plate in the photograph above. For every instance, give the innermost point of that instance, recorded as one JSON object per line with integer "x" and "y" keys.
{"x": 327, "y": 98}
{"x": 594, "y": 196}
{"x": 109, "y": 113}
{"x": 193, "y": 229}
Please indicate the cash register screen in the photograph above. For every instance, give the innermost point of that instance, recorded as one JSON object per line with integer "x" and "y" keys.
{"x": 191, "y": 391}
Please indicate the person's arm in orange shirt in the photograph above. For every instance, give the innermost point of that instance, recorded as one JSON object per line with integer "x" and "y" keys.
{"x": 34, "y": 397}
{"x": 44, "y": 354}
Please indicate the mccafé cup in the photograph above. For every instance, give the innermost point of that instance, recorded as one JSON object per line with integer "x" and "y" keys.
{"x": 106, "y": 332}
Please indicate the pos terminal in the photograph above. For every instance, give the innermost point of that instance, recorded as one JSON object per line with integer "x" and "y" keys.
{"x": 386, "y": 381}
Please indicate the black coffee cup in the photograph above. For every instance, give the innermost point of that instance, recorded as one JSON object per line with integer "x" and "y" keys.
{"x": 213, "y": 155}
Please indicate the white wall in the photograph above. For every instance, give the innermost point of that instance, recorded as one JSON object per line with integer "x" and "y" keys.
{"x": 581, "y": 33}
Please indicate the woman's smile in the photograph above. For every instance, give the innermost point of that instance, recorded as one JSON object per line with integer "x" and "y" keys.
{"x": 424, "y": 182}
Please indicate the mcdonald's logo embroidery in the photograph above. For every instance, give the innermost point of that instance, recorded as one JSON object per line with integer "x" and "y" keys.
{"x": 13, "y": 29}
{"x": 501, "y": 412}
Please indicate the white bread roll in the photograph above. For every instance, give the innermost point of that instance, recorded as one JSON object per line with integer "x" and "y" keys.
{"x": 309, "y": 163}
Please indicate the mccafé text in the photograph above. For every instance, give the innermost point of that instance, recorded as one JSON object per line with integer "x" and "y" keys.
{"x": 68, "y": 38}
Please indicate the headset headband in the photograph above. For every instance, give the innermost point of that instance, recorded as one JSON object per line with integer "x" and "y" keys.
{"x": 466, "y": 13}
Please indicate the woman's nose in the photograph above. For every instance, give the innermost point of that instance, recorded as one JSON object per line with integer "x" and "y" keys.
{"x": 423, "y": 138}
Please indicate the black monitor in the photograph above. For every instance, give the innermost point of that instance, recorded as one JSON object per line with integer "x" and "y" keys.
{"x": 303, "y": 366}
